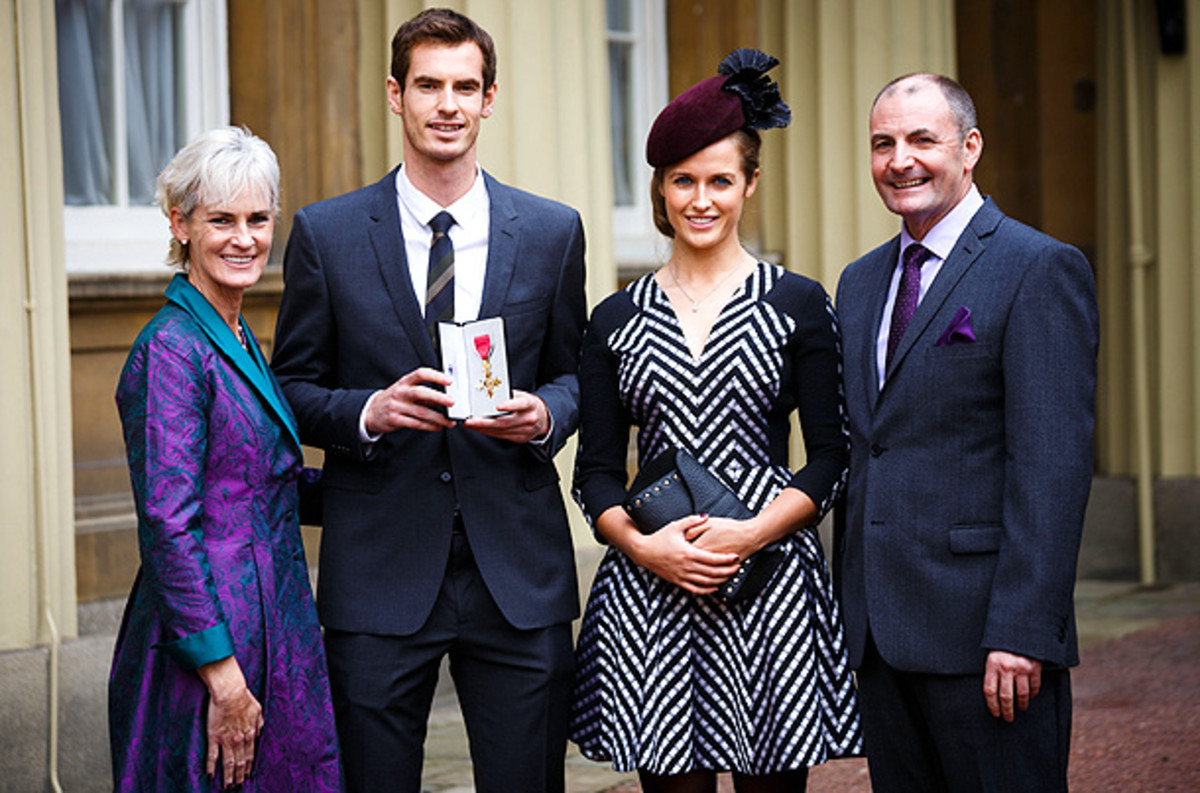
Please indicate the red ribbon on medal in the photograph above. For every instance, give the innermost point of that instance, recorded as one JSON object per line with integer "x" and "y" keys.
{"x": 483, "y": 346}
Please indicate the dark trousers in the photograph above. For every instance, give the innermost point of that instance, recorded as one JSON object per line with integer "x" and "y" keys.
{"x": 935, "y": 734}
{"x": 513, "y": 686}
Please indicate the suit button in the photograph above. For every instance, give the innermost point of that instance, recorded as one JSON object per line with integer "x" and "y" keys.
{"x": 445, "y": 476}
{"x": 877, "y": 450}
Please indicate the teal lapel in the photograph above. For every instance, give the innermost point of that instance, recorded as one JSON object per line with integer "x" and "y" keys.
{"x": 251, "y": 365}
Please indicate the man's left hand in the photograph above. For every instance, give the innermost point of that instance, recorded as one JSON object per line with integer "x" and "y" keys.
{"x": 525, "y": 418}
{"x": 1010, "y": 682}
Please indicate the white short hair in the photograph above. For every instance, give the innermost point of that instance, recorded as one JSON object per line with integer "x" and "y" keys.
{"x": 216, "y": 167}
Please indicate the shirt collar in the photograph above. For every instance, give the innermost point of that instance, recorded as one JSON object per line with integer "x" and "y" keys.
{"x": 465, "y": 210}
{"x": 941, "y": 238}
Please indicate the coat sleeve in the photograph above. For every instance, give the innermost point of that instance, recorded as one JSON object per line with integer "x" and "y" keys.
{"x": 306, "y": 351}
{"x": 816, "y": 374}
{"x": 1049, "y": 364}
{"x": 601, "y": 475}
{"x": 558, "y": 379}
{"x": 164, "y": 401}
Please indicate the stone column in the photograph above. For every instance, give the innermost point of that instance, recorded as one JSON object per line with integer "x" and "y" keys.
{"x": 37, "y": 582}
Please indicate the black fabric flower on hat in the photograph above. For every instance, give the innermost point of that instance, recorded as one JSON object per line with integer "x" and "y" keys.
{"x": 762, "y": 105}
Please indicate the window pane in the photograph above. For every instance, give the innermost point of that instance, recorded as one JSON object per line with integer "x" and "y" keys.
{"x": 115, "y": 145}
{"x": 621, "y": 112}
{"x": 619, "y": 15}
{"x": 151, "y": 92}
{"x": 85, "y": 100}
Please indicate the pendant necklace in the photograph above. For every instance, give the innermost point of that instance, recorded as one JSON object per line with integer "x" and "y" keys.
{"x": 697, "y": 301}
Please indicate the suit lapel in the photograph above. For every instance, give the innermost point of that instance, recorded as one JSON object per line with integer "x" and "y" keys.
{"x": 882, "y": 278}
{"x": 503, "y": 239}
{"x": 966, "y": 252}
{"x": 249, "y": 364}
{"x": 388, "y": 241}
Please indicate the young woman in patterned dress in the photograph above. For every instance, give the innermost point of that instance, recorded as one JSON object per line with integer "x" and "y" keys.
{"x": 712, "y": 354}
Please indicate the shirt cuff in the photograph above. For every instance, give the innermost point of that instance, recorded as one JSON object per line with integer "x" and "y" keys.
{"x": 545, "y": 439}
{"x": 365, "y": 437}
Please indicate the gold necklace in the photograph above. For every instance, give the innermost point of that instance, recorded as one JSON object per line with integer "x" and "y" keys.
{"x": 696, "y": 302}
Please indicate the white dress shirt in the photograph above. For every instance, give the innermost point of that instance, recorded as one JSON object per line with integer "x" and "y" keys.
{"x": 472, "y": 215}
{"x": 940, "y": 241}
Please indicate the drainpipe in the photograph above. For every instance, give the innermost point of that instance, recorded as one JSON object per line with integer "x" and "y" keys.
{"x": 55, "y": 641}
{"x": 41, "y": 477}
{"x": 1140, "y": 259}
{"x": 41, "y": 522}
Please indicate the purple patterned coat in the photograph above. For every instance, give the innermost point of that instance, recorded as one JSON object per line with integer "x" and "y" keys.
{"x": 214, "y": 460}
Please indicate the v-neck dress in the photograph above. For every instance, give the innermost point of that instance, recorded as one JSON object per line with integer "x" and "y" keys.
{"x": 668, "y": 681}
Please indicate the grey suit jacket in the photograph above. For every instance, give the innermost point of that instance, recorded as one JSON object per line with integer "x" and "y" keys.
{"x": 970, "y": 469}
{"x": 349, "y": 324}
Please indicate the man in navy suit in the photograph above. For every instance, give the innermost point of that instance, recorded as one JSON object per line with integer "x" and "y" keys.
{"x": 970, "y": 375}
{"x": 441, "y": 538}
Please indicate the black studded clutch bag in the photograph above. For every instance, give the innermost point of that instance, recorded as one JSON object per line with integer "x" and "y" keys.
{"x": 674, "y": 485}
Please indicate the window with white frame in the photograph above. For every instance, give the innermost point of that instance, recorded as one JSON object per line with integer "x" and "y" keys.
{"x": 137, "y": 79}
{"x": 637, "y": 63}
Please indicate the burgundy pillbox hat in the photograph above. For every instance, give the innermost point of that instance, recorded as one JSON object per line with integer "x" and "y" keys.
{"x": 740, "y": 96}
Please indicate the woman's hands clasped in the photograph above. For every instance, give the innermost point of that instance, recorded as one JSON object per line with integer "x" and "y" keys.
{"x": 670, "y": 554}
{"x": 234, "y": 721}
{"x": 698, "y": 553}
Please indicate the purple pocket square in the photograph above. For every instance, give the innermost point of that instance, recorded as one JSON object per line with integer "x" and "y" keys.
{"x": 959, "y": 330}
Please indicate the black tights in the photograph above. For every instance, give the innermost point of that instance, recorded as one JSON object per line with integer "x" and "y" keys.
{"x": 706, "y": 782}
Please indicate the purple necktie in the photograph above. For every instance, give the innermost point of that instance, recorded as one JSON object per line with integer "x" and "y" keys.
{"x": 907, "y": 296}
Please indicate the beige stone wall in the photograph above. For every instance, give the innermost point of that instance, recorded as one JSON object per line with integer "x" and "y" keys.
{"x": 37, "y": 582}
{"x": 823, "y": 212}
{"x": 1150, "y": 132}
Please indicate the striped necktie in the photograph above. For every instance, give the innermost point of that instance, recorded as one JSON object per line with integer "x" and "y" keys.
{"x": 439, "y": 287}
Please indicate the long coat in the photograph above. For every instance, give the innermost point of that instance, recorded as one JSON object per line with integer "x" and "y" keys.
{"x": 214, "y": 460}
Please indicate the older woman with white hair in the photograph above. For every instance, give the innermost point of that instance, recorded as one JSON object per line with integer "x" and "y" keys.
{"x": 219, "y": 675}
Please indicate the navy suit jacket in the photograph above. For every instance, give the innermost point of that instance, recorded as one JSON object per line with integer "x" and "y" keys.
{"x": 349, "y": 324}
{"x": 970, "y": 469}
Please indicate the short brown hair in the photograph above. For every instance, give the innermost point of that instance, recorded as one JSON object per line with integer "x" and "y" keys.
{"x": 749, "y": 144}
{"x": 444, "y": 27}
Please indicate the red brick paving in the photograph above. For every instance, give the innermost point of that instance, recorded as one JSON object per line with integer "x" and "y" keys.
{"x": 1136, "y": 723}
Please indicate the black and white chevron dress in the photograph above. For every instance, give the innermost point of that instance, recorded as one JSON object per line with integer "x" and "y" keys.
{"x": 667, "y": 681}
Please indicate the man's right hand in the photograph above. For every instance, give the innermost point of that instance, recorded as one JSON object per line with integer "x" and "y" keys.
{"x": 410, "y": 403}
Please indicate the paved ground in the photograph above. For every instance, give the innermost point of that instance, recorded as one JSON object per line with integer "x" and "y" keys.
{"x": 1137, "y": 705}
